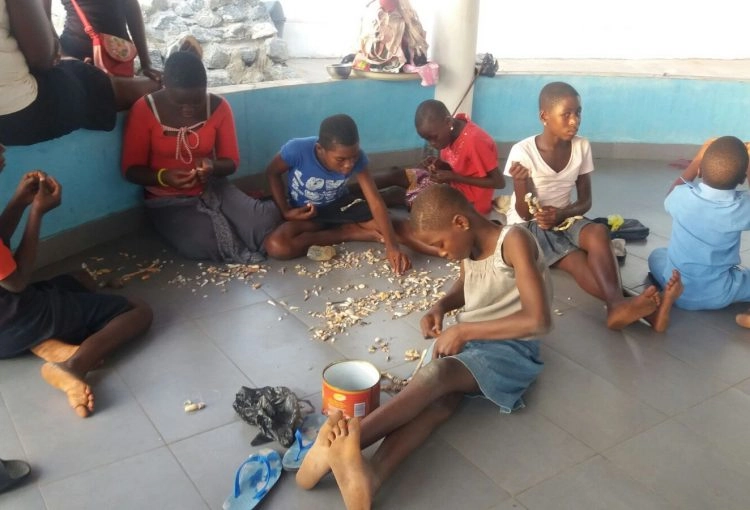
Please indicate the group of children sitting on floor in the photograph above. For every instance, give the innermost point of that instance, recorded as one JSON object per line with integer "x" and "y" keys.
{"x": 180, "y": 145}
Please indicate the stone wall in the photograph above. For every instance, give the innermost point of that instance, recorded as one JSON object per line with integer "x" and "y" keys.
{"x": 241, "y": 43}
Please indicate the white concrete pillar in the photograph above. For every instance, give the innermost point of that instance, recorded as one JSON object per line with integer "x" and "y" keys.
{"x": 454, "y": 49}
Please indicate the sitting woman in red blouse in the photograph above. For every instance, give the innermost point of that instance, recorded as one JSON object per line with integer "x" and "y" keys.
{"x": 180, "y": 144}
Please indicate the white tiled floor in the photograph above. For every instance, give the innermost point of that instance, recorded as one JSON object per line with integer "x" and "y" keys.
{"x": 618, "y": 420}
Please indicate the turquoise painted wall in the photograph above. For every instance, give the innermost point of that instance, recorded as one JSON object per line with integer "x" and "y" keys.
{"x": 620, "y": 109}
{"x": 87, "y": 163}
{"x": 615, "y": 109}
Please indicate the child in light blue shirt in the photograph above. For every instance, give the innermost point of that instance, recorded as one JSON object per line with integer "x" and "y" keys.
{"x": 708, "y": 219}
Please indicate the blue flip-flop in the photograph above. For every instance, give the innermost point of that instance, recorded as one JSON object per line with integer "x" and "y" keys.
{"x": 304, "y": 437}
{"x": 254, "y": 478}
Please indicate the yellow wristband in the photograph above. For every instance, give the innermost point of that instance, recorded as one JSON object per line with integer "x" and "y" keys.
{"x": 158, "y": 177}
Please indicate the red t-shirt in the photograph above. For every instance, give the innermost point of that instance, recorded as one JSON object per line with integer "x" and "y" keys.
{"x": 472, "y": 154}
{"x": 146, "y": 144}
{"x": 7, "y": 262}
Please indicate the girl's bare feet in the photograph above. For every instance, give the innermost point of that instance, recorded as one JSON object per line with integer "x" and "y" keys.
{"x": 315, "y": 464}
{"x": 660, "y": 319}
{"x": 634, "y": 309}
{"x": 78, "y": 392}
{"x": 353, "y": 475}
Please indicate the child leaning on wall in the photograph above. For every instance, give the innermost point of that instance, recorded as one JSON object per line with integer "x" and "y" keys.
{"x": 549, "y": 166}
{"x": 62, "y": 320}
{"x": 504, "y": 288}
{"x": 708, "y": 218}
{"x": 315, "y": 201}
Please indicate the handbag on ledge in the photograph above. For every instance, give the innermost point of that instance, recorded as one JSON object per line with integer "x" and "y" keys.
{"x": 113, "y": 55}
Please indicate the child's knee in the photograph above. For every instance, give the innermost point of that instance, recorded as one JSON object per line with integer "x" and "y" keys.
{"x": 277, "y": 246}
{"x": 595, "y": 235}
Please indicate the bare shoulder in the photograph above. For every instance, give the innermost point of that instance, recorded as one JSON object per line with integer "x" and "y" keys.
{"x": 519, "y": 245}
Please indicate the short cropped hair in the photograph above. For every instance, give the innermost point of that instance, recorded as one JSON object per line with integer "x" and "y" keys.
{"x": 429, "y": 111}
{"x": 338, "y": 130}
{"x": 554, "y": 92}
{"x": 724, "y": 164}
{"x": 184, "y": 69}
{"x": 435, "y": 207}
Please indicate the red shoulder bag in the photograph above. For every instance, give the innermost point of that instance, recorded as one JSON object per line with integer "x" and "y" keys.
{"x": 113, "y": 55}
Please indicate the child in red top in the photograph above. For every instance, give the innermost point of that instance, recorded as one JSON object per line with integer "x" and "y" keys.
{"x": 468, "y": 155}
{"x": 468, "y": 161}
{"x": 60, "y": 320}
{"x": 180, "y": 144}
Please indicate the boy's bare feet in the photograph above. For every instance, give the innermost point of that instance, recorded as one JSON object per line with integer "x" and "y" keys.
{"x": 633, "y": 309}
{"x": 315, "y": 464}
{"x": 79, "y": 393}
{"x": 54, "y": 350}
{"x": 356, "y": 232}
{"x": 659, "y": 320}
{"x": 353, "y": 475}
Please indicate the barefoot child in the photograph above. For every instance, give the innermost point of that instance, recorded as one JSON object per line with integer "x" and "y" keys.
{"x": 504, "y": 288}
{"x": 549, "y": 166}
{"x": 60, "y": 320}
{"x": 315, "y": 201}
{"x": 708, "y": 219}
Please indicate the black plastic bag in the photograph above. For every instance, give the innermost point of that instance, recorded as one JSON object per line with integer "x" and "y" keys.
{"x": 274, "y": 410}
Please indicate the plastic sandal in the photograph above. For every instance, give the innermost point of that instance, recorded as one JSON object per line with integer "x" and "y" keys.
{"x": 304, "y": 437}
{"x": 12, "y": 472}
{"x": 254, "y": 479}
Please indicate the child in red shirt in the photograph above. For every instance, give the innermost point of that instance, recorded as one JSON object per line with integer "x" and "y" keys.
{"x": 468, "y": 160}
{"x": 468, "y": 155}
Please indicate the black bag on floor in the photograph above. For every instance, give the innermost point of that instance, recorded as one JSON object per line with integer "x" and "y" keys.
{"x": 630, "y": 230}
{"x": 274, "y": 410}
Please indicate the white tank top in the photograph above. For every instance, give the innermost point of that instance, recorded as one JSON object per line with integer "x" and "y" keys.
{"x": 18, "y": 88}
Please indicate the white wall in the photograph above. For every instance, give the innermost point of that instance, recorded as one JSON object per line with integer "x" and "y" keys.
{"x": 624, "y": 29}
{"x": 629, "y": 29}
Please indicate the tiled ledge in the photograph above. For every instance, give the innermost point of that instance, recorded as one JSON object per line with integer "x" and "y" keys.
{"x": 665, "y": 68}
{"x": 312, "y": 70}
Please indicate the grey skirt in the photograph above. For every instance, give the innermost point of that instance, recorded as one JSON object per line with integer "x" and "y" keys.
{"x": 557, "y": 244}
{"x": 222, "y": 224}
